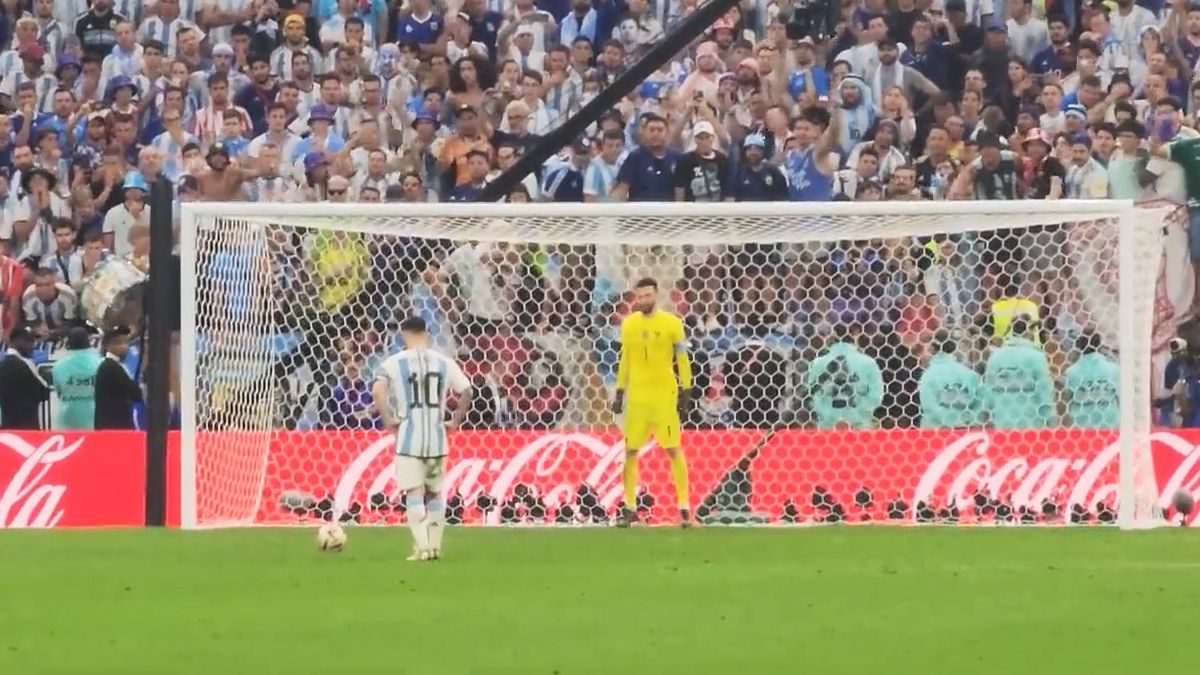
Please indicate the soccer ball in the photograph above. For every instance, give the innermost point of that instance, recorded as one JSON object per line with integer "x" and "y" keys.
{"x": 331, "y": 537}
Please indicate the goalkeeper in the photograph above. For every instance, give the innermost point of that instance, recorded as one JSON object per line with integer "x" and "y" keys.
{"x": 653, "y": 346}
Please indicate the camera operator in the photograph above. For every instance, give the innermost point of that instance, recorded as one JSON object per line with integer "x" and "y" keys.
{"x": 1182, "y": 378}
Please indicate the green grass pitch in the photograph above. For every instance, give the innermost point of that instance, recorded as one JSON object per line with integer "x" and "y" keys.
{"x": 573, "y": 602}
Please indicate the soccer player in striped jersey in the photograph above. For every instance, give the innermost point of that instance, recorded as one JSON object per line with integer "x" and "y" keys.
{"x": 654, "y": 383}
{"x": 410, "y": 393}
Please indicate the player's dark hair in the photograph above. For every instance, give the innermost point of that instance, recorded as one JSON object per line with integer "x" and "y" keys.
{"x": 1088, "y": 342}
{"x": 645, "y": 282}
{"x": 413, "y": 324}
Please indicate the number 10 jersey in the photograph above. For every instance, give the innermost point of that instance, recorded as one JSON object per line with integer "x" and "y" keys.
{"x": 418, "y": 383}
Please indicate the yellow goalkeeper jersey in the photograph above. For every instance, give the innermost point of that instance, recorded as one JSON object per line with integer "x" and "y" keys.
{"x": 650, "y": 347}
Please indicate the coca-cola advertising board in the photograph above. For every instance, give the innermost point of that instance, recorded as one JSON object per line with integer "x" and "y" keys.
{"x": 73, "y": 479}
{"x": 940, "y": 467}
{"x": 98, "y": 479}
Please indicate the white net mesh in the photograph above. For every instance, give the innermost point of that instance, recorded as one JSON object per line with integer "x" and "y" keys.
{"x": 919, "y": 366}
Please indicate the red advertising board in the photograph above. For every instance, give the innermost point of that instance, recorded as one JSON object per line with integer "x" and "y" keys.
{"x": 940, "y": 467}
{"x": 78, "y": 479}
{"x": 98, "y": 479}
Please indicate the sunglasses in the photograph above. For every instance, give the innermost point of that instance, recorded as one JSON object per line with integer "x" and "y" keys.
{"x": 337, "y": 193}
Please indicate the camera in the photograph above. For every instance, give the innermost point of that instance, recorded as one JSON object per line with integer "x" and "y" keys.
{"x": 1179, "y": 346}
{"x": 807, "y": 18}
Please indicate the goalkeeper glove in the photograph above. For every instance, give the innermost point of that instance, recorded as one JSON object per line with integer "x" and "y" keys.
{"x": 618, "y": 404}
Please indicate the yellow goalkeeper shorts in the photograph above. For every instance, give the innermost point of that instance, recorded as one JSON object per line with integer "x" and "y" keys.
{"x": 659, "y": 419}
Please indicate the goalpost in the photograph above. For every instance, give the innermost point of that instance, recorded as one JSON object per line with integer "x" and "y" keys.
{"x": 288, "y": 307}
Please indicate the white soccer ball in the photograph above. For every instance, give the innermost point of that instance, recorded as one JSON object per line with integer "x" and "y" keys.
{"x": 331, "y": 537}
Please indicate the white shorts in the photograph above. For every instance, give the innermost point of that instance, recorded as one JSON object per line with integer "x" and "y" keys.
{"x": 415, "y": 472}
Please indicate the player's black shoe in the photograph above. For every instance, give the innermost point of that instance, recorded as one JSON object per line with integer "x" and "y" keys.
{"x": 628, "y": 517}
{"x": 685, "y": 519}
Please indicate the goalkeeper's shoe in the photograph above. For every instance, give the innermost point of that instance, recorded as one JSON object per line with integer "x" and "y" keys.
{"x": 628, "y": 517}
{"x": 685, "y": 519}
{"x": 420, "y": 555}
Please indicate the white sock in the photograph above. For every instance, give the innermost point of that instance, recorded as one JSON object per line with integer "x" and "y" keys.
{"x": 417, "y": 519}
{"x": 436, "y": 521}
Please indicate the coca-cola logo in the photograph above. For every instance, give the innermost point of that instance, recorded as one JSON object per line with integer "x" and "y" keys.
{"x": 26, "y": 501}
{"x": 545, "y": 457}
{"x": 1029, "y": 481}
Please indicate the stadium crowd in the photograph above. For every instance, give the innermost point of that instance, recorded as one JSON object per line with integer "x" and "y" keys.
{"x": 423, "y": 101}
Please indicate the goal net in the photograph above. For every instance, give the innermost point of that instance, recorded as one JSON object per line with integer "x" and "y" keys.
{"x": 962, "y": 362}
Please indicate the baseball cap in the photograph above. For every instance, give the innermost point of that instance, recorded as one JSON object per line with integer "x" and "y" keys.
{"x": 704, "y": 127}
{"x": 465, "y": 109}
{"x": 426, "y": 115}
{"x": 1034, "y": 135}
{"x": 293, "y": 21}
{"x": 525, "y": 29}
{"x": 1081, "y": 138}
{"x": 313, "y": 160}
{"x": 754, "y": 141}
{"x": 33, "y": 50}
{"x": 581, "y": 144}
{"x": 320, "y": 113}
{"x": 222, "y": 49}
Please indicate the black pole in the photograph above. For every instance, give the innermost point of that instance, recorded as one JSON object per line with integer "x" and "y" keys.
{"x": 161, "y": 296}
{"x": 556, "y": 140}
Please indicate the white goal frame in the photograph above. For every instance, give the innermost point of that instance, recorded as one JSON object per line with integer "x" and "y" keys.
{"x": 367, "y": 217}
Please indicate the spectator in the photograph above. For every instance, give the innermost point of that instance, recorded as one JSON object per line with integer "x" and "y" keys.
{"x": 50, "y": 307}
{"x": 22, "y": 389}
{"x": 757, "y": 181}
{"x": 648, "y": 173}
{"x": 74, "y": 378}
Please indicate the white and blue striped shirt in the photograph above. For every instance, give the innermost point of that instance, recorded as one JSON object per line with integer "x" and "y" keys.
{"x": 600, "y": 178}
{"x": 130, "y": 9}
{"x": 172, "y": 153}
{"x": 281, "y": 60}
{"x": 154, "y": 28}
{"x": 224, "y": 34}
{"x": 418, "y": 381}
{"x": 287, "y": 148}
{"x": 120, "y": 62}
{"x": 44, "y": 86}
{"x": 68, "y": 11}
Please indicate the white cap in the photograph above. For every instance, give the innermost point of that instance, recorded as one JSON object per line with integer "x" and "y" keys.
{"x": 525, "y": 29}
{"x": 704, "y": 127}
